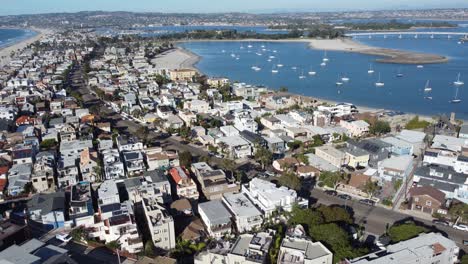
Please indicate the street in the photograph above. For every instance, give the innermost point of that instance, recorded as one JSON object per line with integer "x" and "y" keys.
{"x": 375, "y": 218}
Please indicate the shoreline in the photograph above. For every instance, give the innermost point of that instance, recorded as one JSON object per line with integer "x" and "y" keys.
{"x": 349, "y": 45}
{"x": 6, "y": 51}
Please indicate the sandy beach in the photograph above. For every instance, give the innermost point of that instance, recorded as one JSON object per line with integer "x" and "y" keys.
{"x": 6, "y": 51}
{"x": 389, "y": 55}
{"x": 177, "y": 58}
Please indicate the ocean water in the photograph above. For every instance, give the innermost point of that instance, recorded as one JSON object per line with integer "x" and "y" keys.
{"x": 399, "y": 93}
{"x": 9, "y": 37}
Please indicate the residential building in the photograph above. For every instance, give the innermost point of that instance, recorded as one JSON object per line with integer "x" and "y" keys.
{"x": 356, "y": 157}
{"x": 355, "y": 128}
{"x": 247, "y": 249}
{"x": 243, "y": 120}
{"x": 182, "y": 74}
{"x": 160, "y": 224}
{"x": 152, "y": 184}
{"x": 334, "y": 156}
{"x": 81, "y": 204}
{"x": 244, "y": 212}
{"x": 35, "y": 251}
{"x": 453, "y": 184}
{"x": 214, "y": 183}
{"x": 113, "y": 166}
{"x": 269, "y": 198}
{"x": 198, "y": 106}
{"x": 46, "y": 211}
{"x": 216, "y": 218}
{"x": 134, "y": 163}
{"x": 427, "y": 199}
{"x": 377, "y": 149}
{"x": 415, "y": 138}
{"x": 297, "y": 250}
{"x": 185, "y": 186}
{"x": 18, "y": 176}
{"x": 399, "y": 147}
{"x": 425, "y": 248}
{"x": 157, "y": 159}
{"x": 395, "y": 168}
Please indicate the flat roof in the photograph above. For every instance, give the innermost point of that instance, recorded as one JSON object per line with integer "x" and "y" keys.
{"x": 216, "y": 212}
{"x": 241, "y": 205}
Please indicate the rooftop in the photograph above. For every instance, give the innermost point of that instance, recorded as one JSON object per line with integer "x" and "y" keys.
{"x": 216, "y": 212}
{"x": 241, "y": 205}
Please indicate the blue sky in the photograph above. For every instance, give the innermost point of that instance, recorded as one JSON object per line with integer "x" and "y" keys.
{"x": 12, "y": 7}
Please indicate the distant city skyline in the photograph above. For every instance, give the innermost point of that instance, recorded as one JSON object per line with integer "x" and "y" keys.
{"x": 16, "y": 7}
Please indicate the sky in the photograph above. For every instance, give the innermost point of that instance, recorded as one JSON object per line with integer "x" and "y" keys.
{"x": 14, "y": 7}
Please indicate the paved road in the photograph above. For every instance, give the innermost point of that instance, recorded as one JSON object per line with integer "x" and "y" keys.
{"x": 376, "y": 218}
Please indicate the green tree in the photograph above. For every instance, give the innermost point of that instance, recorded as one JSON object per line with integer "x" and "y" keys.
{"x": 149, "y": 248}
{"x": 332, "y": 214}
{"x": 283, "y": 89}
{"x": 290, "y": 180}
{"x": 305, "y": 217}
{"x": 113, "y": 245}
{"x": 379, "y": 128}
{"x": 185, "y": 132}
{"x": 405, "y": 231}
{"x": 263, "y": 156}
{"x": 293, "y": 145}
{"x": 371, "y": 188}
{"x": 229, "y": 165}
{"x": 318, "y": 141}
{"x": 415, "y": 123}
{"x": 48, "y": 144}
{"x": 143, "y": 133}
{"x": 331, "y": 179}
{"x": 185, "y": 159}
{"x": 459, "y": 211}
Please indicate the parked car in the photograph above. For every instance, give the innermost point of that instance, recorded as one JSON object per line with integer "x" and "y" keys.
{"x": 219, "y": 156}
{"x": 344, "y": 196}
{"x": 270, "y": 173}
{"x": 440, "y": 222}
{"x": 465, "y": 242}
{"x": 461, "y": 227}
{"x": 331, "y": 192}
{"x": 262, "y": 175}
{"x": 64, "y": 237}
{"x": 367, "y": 202}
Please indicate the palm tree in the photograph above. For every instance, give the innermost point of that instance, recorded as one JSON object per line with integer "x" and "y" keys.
{"x": 229, "y": 165}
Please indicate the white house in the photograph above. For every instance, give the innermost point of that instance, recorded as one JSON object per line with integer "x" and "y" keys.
{"x": 244, "y": 212}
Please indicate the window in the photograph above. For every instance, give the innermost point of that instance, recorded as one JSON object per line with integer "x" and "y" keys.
{"x": 416, "y": 199}
{"x": 428, "y": 203}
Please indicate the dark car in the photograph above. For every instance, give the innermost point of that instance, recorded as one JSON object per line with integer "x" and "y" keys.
{"x": 331, "y": 192}
{"x": 344, "y": 197}
{"x": 440, "y": 222}
{"x": 367, "y": 202}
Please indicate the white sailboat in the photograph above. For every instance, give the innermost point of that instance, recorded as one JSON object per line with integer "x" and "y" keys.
{"x": 323, "y": 64}
{"x": 293, "y": 68}
{"x": 311, "y": 72}
{"x": 427, "y": 88}
{"x": 370, "y": 71}
{"x": 420, "y": 66}
{"x": 456, "y": 100}
{"x": 274, "y": 70}
{"x": 458, "y": 82}
{"x": 379, "y": 83}
{"x": 302, "y": 76}
{"x": 345, "y": 79}
{"x": 399, "y": 74}
{"x": 249, "y": 46}
{"x": 325, "y": 59}
{"x": 279, "y": 65}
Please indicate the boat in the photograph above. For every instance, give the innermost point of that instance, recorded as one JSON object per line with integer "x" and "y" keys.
{"x": 302, "y": 76}
{"x": 427, "y": 88}
{"x": 399, "y": 74}
{"x": 293, "y": 68}
{"x": 428, "y": 97}
{"x": 323, "y": 64}
{"x": 279, "y": 65}
{"x": 262, "y": 46}
{"x": 271, "y": 57}
{"x": 455, "y": 99}
{"x": 242, "y": 47}
{"x": 379, "y": 83}
{"x": 274, "y": 70}
{"x": 249, "y": 46}
{"x": 370, "y": 71}
{"x": 223, "y": 51}
{"x": 312, "y": 72}
{"x": 345, "y": 79}
{"x": 233, "y": 55}
{"x": 274, "y": 51}
{"x": 420, "y": 66}
{"x": 325, "y": 59}
{"x": 458, "y": 82}
{"x": 256, "y": 68}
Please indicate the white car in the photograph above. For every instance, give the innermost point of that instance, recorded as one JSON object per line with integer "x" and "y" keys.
{"x": 64, "y": 237}
{"x": 461, "y": 227}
